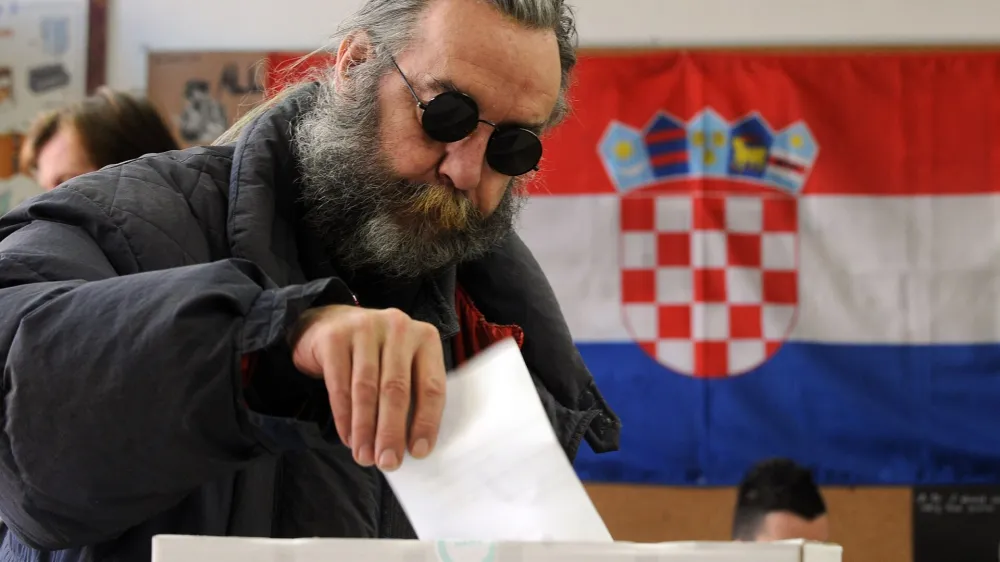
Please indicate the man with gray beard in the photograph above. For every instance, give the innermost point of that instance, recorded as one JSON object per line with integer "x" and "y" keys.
{"x": 240, "y": 339}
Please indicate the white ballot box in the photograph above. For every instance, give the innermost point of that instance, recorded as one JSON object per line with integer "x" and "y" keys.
{"x": 174, "y": 548}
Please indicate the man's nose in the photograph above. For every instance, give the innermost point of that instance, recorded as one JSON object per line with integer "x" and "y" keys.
{"x": 465, "y": 161}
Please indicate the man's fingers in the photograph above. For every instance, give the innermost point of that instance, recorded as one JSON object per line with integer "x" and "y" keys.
{"x": 365, "y": 359}
{"x": 385, "y": 377}
{"x": 394, "y": 396}
{"x": 337, "y": 375}
{"x": 428, "y": 390}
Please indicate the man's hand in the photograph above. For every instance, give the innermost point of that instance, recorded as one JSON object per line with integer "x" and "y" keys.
{"x": 373, "y": 362}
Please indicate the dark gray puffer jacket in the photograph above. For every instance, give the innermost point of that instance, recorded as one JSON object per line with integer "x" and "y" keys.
{"x": 133, "y": 301}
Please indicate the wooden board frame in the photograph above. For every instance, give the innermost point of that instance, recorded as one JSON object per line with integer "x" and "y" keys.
{"x": 97, "y": 44}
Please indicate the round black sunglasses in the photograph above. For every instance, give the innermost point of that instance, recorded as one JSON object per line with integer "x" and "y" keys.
{"x": 452, "y": 116}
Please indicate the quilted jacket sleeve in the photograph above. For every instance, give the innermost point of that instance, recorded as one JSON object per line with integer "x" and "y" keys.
{"x": 122, "y": 389}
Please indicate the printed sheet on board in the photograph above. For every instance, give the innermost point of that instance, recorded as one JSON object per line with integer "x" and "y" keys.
{"x": 43, "y": 49}
{"x": 200, "y": 94}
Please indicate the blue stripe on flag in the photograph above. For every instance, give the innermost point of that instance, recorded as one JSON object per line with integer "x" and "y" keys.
{"x": 857, "y": 414}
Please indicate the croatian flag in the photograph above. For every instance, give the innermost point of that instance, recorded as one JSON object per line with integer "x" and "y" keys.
{"x": 776, "y": 254}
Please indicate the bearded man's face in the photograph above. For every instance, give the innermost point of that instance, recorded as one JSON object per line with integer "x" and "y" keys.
{"x": 381, "y": 192}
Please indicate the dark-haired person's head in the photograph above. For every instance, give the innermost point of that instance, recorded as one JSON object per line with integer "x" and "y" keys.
{"x": 106, "y": 128}
{"x": 778, "y": 500}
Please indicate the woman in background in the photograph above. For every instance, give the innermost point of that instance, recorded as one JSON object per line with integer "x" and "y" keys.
{"x": 106, "y": 128}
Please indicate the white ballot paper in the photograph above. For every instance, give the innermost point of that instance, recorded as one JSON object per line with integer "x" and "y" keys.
{"x": 497, "y": 472}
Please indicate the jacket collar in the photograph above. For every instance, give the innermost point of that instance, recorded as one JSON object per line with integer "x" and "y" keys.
{"x": 263, "y": 189}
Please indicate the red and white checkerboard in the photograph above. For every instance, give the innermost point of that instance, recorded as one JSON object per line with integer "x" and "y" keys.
{"x": 709, "y": 281}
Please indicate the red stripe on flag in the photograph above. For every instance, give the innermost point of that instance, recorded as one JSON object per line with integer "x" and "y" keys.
{"x": 876, "y": 135}
{"x": 669, "y": 158}
{"x": 665, "y": 136}
{"x": 284, "y": 69}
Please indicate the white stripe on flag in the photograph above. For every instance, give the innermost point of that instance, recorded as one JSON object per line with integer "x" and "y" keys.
{"x": 790, "y": 157}
{"x": 889, "y": 270}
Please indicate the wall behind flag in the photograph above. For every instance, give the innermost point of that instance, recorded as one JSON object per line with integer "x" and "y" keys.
{"x": 137, "y": 26}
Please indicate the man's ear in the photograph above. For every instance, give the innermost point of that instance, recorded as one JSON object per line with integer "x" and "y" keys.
{"x": 355, "y": 49}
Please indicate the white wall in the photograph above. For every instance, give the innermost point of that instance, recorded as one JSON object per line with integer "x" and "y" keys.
{"x": 140, "y": 25}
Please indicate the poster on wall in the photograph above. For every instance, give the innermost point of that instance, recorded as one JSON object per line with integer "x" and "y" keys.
{"x": 43, "y": 58}
{"x": 956, "y": 523}
{"x": 200, "y": 94}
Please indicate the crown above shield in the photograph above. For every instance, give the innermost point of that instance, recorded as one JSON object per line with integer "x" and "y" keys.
{"x": 708, "y": 146}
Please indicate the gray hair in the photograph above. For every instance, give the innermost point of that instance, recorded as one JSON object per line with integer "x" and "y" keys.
{"x": 391, "y": 25}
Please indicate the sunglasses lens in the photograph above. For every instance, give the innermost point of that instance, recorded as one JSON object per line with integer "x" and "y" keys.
{"x": 513, "y": 152}
{"x": 450, "y": 117}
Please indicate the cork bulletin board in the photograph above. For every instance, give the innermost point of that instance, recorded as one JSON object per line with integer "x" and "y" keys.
{"x": 872, "y": 524}
{"x": 200, "y": 94}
